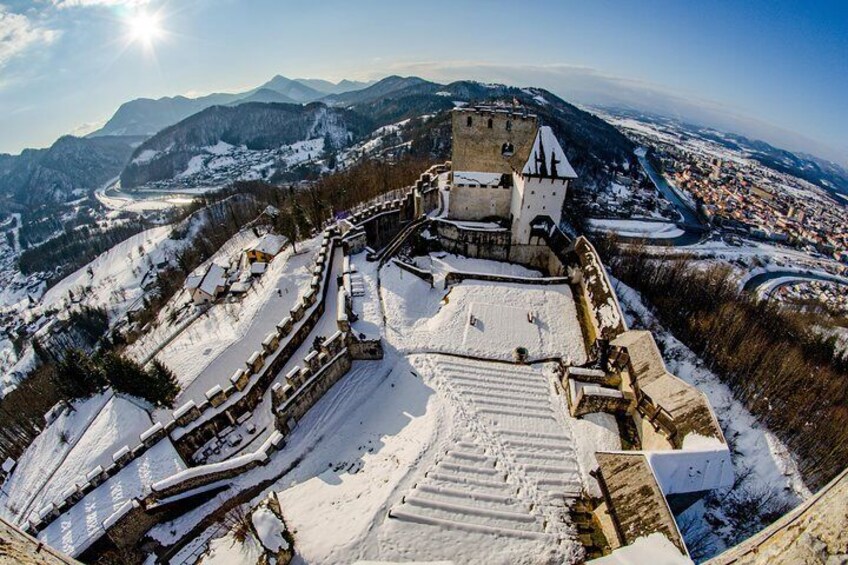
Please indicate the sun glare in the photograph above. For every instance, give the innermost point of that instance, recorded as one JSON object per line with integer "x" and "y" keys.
{"x": 144, "y": 28}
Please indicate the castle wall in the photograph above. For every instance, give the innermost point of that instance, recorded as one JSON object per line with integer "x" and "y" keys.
{"x": 477, "y": 203}
{"x": 480, "y": 244}
{"x": 479, "y": 148}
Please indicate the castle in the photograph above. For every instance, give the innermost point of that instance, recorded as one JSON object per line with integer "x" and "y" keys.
{"x": 507, "y": 167}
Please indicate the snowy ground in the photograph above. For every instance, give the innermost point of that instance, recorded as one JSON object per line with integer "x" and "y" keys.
{"x": 68, "y": 449}
{"x": 420, "y": 318}
{"x": 115, "y": 279}
{"x": 222, "y": 339}
{"x": 442, "y": 263}
{"x": 429, "y": 438}
{"x": 636, "y": 228}
{"x": 76, "y": 529}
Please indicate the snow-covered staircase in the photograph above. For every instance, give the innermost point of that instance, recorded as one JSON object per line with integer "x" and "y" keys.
{"x": 466, "y": 490}
{"x": 514, "y": 471}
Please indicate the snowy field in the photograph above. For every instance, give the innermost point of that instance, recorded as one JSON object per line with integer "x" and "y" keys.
{"x": 68, "y": 449}
{"x": 420, "y": 318}
{"x": 636, "y": 228}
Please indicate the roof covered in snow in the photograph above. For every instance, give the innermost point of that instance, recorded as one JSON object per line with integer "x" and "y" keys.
{"x": 270, "y": 244}
{"x": 547, "y": 159}
{"x": 213, "y": 279}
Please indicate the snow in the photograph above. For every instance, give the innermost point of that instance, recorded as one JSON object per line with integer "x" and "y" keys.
{"x": 270, "y": 529}
{"x": 270, "y": 244}
{"x": 220, "y": 148}
{"x": 420, "y": 318}
{"x": 395, "y": 421}
{"x": 229, "y": 551}
{"x": 479, "y": 226}
{"x": 441, "y": 263}
{"x": 145, "y": 157}
{"x": 655, "y": 549}
{"x": 92, "y": 433}
{"x": 117, "y": 275}
{"x": 221, "y": 340}
{"x": 75, "y": 530}
{"x": 594, "y": 432}
{"x": 638, "y": 228}
{"x": 195, "y": 165}
{"x": 757, "y": 452}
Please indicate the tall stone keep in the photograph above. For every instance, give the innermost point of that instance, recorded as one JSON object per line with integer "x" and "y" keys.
{"x": 507, "y": 167}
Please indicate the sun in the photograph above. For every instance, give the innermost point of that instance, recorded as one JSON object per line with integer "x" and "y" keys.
{"x": 144, "y": 28}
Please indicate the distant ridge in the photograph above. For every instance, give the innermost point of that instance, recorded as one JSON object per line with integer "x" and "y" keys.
{"x": 146, "y": 116}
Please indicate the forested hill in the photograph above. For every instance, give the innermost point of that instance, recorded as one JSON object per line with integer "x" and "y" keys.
{"x": 593, "y": 146}
{"x": 257, "y": 126}
{"x": 40, "y": 176}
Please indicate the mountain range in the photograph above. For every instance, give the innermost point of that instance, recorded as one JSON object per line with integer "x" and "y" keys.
{"x": 145, "y": 116}
{"x": 265, "y": 133}
{"x": 157, "y": 140}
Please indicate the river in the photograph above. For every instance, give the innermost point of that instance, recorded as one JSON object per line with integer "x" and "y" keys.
{"x": 690, "y": 218}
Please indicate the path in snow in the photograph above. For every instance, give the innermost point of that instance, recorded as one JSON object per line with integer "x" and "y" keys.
{"x": 509, "y": 474}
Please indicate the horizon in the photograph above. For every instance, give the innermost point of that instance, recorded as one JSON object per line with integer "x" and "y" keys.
{"x": 745, "y": 70}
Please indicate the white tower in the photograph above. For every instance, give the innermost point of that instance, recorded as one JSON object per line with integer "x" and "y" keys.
{"x": 538, "y": 191}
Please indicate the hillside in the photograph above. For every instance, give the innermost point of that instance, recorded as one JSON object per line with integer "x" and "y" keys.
{"x": 41, "y": 176}
{"x": 146, "y": 116}
{"x": 255, "y": 126}
{"x": 270, "y": 141}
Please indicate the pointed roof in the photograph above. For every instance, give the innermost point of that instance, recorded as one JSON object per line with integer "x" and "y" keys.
{"x": 547, "y": 159}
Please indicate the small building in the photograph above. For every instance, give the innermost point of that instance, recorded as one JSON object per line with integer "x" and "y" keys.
{"x": 268, "y": 247}
{"x": 206, "y": 284}
{"x": 258, "y": 268}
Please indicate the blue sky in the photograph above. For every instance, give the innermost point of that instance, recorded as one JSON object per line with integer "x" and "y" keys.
{"x": 67, "y": 64}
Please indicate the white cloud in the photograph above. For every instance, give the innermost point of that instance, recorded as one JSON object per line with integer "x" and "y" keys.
{"x": 18, "y": 34}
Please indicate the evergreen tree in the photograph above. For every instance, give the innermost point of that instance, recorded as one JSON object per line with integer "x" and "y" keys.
{"x": 287, "y": 226}
{"x": 300, "y": 221}
{"x": 164, "y": 383}
{"x": 77, "y": 376}
{"x": 127, "y": 376}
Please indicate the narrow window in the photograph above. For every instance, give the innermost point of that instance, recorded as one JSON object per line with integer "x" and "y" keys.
{"x": 490, "y": 123}
{"x": 508, "y": 125}
{"x": 468, "y": 121}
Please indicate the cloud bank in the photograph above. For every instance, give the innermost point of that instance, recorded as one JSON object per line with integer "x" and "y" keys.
{"x": 19, "y": 34}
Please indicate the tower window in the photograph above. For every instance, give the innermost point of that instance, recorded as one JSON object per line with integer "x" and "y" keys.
{"x": 468, "y": 121}
{"x": 507, "y": 149}
{"x": 490, "y": 123}
{"x": 508, "y": 125}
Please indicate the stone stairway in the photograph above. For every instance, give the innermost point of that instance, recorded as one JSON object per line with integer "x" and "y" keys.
{"x": 514, "y": 471}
